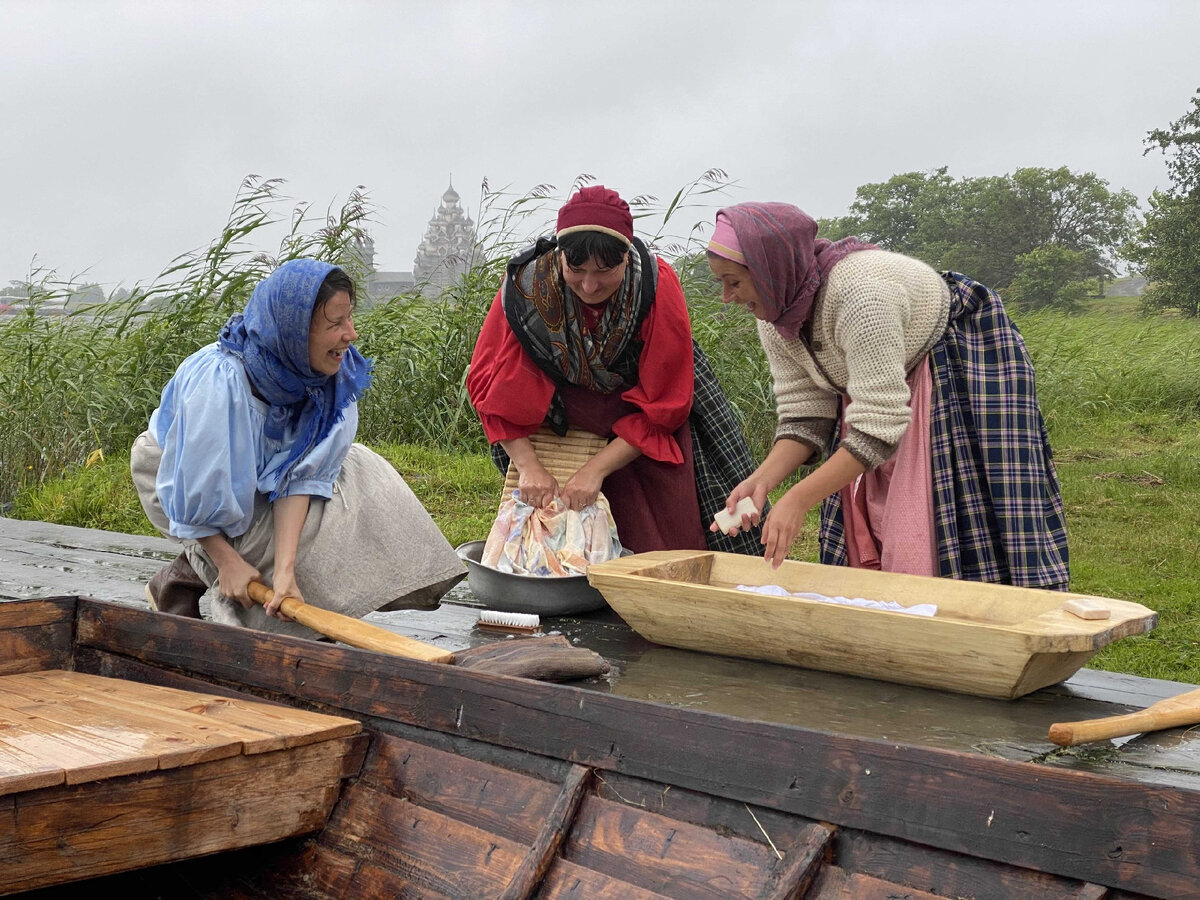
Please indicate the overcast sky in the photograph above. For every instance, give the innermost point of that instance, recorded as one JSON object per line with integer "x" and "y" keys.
{"x": 128, "y": 126}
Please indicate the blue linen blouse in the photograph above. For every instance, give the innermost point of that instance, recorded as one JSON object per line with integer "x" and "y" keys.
{"x": 216, "y": 455}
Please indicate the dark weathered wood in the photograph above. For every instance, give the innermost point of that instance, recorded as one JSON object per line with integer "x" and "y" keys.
{"x": 967, "y": 803}
{"x": 555, "y": 829}
{"x": 567, "y": 881}
{"x": 935, "y": 809}
{"x": 81, "y": 831}
{"x": 487, "y": 796}
{"x": 835, "y": 884}
{"x": 767, "y": 826}
{"x": 665, "y": 855}
{"x": 36, "y": 636}
{"x": 792, "y": 876}
{"x": 946, "y": 874}
{"x": 439, "y": 855}
{"x": 742, "y": 688}
{"x": 41, "y": 560}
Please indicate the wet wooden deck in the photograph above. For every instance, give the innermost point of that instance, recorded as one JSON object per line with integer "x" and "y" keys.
{"x": 40, "y": 560}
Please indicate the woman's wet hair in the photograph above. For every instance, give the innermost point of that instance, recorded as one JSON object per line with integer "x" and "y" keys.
{"x": 337, "y": 280}
{"x": 580, "y": 246}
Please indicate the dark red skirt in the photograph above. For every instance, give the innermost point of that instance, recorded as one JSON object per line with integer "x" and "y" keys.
{"x": 654, "y": 504}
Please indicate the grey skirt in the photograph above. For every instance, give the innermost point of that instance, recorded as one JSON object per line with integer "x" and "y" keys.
{"x": 371, "y": 546}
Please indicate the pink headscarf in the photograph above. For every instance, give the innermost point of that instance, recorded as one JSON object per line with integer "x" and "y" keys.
{"x": 786, "y": 259}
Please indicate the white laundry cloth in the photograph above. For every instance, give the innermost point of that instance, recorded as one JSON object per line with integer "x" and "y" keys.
{"x": 920, "y": 609}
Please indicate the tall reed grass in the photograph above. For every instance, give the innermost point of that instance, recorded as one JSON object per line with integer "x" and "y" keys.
{"x": 78, "y": 386}
{"x": 1096, "y": 367}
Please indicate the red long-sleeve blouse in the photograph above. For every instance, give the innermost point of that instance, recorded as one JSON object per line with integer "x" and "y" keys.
{"x": 512, "y": 395}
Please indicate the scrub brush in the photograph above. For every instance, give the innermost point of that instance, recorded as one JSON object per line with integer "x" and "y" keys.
{"x": 519, "y": 623}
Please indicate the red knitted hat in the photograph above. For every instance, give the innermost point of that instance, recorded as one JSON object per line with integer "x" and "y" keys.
{"x": 596, "y": 208}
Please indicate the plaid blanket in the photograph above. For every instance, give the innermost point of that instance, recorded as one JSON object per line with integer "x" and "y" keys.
{"x": 996, "y": 498}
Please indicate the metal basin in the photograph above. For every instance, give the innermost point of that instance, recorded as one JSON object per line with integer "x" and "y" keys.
{"x": 541, "y": 595}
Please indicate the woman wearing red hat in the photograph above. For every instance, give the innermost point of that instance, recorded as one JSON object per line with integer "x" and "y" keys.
{"x": 591, "y": 331}
{"x": 916, "y": 387}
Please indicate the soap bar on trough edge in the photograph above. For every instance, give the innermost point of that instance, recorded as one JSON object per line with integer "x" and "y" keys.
{"x": 1087, "y": 608}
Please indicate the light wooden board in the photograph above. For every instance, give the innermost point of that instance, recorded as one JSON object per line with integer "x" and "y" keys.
{"x": 986, "y": 639}
{"x": 562, "y": 456}
{"x": 60, "y": 727}
{"x": 74, "y": 832}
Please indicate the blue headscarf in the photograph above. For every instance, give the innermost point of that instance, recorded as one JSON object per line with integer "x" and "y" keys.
{"x": 271, "y": 338}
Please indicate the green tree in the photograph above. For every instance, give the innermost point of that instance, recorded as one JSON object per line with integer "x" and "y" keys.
{"x": 909, "y": 213}
{"x": 1050, "y": 276}
{"x": 1167, "y": 252}
{"x": 1167, "y": 247}
{"x": 981, "y": 226}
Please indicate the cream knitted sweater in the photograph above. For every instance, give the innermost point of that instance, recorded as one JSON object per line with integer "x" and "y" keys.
{"x": 873, "y": 320}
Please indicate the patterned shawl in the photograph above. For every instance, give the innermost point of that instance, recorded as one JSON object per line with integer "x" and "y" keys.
{"x": 786, "y": 259}
{"x": 271, "y": 338}
{"x": 547, "y": 318}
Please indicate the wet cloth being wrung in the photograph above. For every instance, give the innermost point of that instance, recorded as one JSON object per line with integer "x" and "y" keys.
{"x": 554, "y": 541}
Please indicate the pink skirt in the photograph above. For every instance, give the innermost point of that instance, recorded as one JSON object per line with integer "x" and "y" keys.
{"x": 888, "y": 511}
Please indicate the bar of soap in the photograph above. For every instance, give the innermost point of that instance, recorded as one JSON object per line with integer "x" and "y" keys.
{"x": 727, "y": 521}
{"x": 1087, "y": 608}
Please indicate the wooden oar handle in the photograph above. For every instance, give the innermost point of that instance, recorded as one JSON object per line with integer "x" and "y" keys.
{"x": 1068, "y": 734}
{"x": 354, "y": 632}
{"x": 1182, "y": 709}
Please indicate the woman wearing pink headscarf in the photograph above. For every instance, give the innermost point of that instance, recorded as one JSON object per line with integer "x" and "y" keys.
{"x": 914, "y": 392}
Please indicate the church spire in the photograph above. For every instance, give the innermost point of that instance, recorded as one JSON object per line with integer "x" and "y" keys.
{"x": 449, "y": 247}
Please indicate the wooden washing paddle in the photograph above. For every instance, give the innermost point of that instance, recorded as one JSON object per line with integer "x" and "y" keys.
{"x": 550, "y": 658}
{"x": 1182, "y": 709}
{"x": 354, "y": 632}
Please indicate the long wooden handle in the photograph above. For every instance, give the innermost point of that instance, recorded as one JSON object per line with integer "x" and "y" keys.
{"x": 1183, "y": 709}
{"x": 354, "y": 632}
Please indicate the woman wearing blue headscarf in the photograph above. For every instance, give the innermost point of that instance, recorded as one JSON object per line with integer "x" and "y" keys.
{"x": 249, "y": 460}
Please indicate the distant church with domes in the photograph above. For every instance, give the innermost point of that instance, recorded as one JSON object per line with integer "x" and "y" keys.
{"x": 448, "y": 250}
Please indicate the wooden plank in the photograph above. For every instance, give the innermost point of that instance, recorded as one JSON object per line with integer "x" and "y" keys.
{"x": 568, "y": 881}
{"x": 60, "y": 719}
{"x": 24, "y": 767}
{"x": 945, "y": 874}
{"x": 68, "y": 726}
{"x": 98, "y": 662}
{"x": 665, "y": 855}
{"x": 36, "y": 636}
{"x": 489, "y": 797}
{"x": 260, "y": 727}
{"x": 438, "y": 855}
{"x": 544, "y": 850}
{"x": 794, "y": 874}
{"x": 836, "y": 884}
{"x": 79, "y": 753}
{"x": 47, "y": 534}
{"x": 781, "y": 831}
{"x": 83, "y": 831}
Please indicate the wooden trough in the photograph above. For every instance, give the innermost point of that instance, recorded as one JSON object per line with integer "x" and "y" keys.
{"x": 986, "y": 639}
